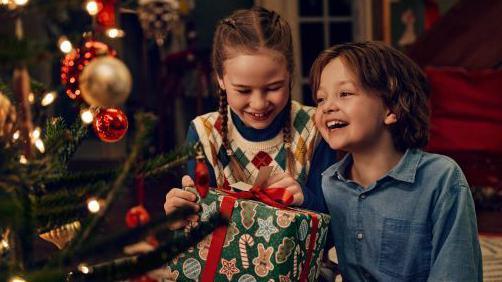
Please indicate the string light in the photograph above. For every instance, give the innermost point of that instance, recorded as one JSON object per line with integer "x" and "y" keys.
{"x": 115, "y": 32}
{"x": 83, "y": 268}
{"x": 16, "y": 135}
{"x": 86, "y": 116}
{"x": 17, "y": 279}
{"x": 31, "y": 98}
{"x": 23, "y": 160}
{"x": 93, "y": 205}
{"x": 92, "y": 7}
{"x": 40, "y": 145}
{"x": 65, "y": 45}
{"x": 21, "y": 2}
{"x": 48, "y": 99}
{"x": 35, "y": 134}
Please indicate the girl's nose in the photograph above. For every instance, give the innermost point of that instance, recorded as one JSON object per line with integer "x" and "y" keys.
{"x": 258, "y": 101}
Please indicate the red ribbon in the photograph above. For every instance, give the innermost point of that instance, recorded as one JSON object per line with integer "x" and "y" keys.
{"x": 201, "y": 178}
{"x": 275, "y": 197}
{"x": 216, "y": 246}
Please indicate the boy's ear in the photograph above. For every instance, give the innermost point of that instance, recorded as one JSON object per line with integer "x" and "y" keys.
{"x": 391, "y": 118}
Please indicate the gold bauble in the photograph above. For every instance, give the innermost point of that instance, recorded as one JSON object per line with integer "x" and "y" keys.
{"x": 105, "y": 82}
{"x": 62, "y": 235}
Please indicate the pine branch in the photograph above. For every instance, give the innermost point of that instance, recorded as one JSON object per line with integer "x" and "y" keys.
{"x": 163, "y": 164}
{"x": 116, "y": 242}
{"x": 127, "y": 267}
{"x": 144, "y": 125}
{"x": 65, "y": 182}
{"x": 62, "y": 142}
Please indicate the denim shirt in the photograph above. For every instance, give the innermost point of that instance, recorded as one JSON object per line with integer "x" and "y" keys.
{"x": 416, "y": 223}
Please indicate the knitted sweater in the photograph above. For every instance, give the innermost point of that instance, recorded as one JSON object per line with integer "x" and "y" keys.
{"x": 253, "y": 154}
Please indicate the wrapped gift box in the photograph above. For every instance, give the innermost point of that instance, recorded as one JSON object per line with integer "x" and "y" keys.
{"x": 260, "y": 243}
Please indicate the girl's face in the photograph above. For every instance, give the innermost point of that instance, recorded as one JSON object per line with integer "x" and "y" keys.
{"x": 257, "y": 86}
{"x": 349, "y": 117}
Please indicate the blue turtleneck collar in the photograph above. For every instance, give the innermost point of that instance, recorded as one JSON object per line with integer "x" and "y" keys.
{"x": 257, "y": 135}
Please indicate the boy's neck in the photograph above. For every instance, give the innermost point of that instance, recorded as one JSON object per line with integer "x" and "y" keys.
{"x": 369, "y": 166}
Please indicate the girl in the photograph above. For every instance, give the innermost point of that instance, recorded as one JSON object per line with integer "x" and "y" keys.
{"x": 399, "y": 214}
{"x": 257, "y": 123}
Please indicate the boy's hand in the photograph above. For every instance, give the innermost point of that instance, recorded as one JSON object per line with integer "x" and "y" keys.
{"x": 284, "y": 180}
{"x": 177, "y": 198}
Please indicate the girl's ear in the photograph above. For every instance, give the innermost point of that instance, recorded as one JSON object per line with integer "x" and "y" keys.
{"x": 391, "y": 118}
{"x": 220, "y": 83}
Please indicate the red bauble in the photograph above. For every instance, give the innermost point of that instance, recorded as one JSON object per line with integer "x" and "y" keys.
{"x": 137, "y": 216}
{"x": 201, "y": 178}
{"x": 74, "y": 62}
{"x": 110, "y": 125}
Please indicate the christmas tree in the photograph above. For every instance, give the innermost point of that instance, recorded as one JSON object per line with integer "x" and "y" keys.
{"x": 39, "y": 196}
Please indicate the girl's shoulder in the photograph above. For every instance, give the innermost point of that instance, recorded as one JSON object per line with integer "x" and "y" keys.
{"x": 297, "y": 107}
{"x": 210, "y": 117}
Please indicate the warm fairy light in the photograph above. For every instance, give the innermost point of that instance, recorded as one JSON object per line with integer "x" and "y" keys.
{"x": 17, "y": 279}
{"x": 65, "y": 45}
{"x": 23, "y": 159}
{"x": 4, "y": 244}
{"x": 4, "y": 2}
{"x": 40, "y": 145}
{"x": 115, "y": 32}
{"x": 16, "y": 135}
{"x": 86, "y": 116}
{"x": 93, "y": 205}
{"x": 21, "y": 2}
{"x": 31, "y": 98}
{"x": 35, "y": 134}
{"x": 48, "y": 98}
{"x": 83, "y": 268}
{"x": 92, "y": 8}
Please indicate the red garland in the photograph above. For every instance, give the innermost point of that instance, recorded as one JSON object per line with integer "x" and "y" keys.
{"x": 73, "y": 64}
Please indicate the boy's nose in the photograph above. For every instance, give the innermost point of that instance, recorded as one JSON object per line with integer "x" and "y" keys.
{"x": 329, "y": 106}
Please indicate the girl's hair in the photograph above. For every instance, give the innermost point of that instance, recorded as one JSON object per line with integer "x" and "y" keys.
{"x": 396, "y": 78}
{"x": 250, "y": 31}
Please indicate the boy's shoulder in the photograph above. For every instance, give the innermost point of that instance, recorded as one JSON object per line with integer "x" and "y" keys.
{"x": 442, "y": 167}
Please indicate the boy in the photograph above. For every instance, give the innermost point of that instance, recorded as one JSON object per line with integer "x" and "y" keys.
{"x": 398, "y": 213}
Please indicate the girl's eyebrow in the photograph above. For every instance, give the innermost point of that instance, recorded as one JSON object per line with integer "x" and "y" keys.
{"x": 268, "y": 85}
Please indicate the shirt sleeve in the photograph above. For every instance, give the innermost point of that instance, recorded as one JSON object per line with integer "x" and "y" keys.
{"x": 191, "y": 138}
{"x": 456, "y": 254}
{"x": 323, "y": 157}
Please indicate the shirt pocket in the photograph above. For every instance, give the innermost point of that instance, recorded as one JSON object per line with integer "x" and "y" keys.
{"x": 405, "y": 251}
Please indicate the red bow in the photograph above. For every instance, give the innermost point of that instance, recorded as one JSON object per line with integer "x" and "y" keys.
{"x": 275, "y": 197}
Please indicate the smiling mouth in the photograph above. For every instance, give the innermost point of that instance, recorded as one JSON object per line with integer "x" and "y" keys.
{"x": 334, "y": 124}
{"x": 259, "y": 116}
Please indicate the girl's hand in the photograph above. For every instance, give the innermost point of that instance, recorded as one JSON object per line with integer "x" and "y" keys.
{"x": 178, "y": 198}
{"x": 284, "y": 180}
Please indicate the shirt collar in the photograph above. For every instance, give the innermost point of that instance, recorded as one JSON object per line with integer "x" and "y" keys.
{"x": 339, "y": 168}
{"x": 405, "y": 170}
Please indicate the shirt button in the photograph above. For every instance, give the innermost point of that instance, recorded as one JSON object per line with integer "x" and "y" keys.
{"x": 362, "y": 196}
{"x": 359, "y": 236}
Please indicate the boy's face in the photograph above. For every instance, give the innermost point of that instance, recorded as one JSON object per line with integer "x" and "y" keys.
{"x": 257, "y": 86}
{"x": 349, "y": 117}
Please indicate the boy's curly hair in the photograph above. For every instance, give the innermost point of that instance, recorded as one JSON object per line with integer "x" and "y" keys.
{"x": 396, "y": 78}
